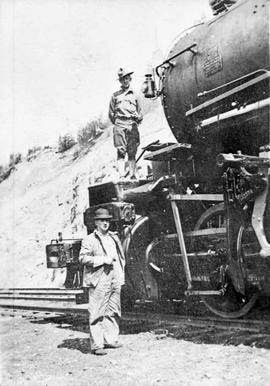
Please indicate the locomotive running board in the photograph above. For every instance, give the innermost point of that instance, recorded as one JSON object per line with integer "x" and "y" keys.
{"x": 228, "y": 94}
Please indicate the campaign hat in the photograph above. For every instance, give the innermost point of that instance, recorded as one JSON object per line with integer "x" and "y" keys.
{"x": 123, "y": 72}
{"x": 102, "y": 214}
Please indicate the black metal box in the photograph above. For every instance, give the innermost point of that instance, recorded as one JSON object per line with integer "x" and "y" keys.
{"x": 59, "y": 254}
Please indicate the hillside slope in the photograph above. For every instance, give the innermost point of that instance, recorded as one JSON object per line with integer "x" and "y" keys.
{"x": 49, "y": 194}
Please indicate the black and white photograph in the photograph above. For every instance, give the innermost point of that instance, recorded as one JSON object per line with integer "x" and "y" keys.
{"x": 134, "y": 193}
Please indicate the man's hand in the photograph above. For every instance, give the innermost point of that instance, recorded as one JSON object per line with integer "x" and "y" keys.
{"x": 137, "y": 117}
{"x": 108, "y": 260}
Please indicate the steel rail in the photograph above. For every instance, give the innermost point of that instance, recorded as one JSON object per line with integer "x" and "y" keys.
{"x": 160, "y": 319}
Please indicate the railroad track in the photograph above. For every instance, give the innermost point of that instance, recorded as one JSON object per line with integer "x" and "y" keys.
{"x": 49, "y": 301}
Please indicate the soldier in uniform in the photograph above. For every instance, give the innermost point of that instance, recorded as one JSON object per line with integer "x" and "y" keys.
{"x": 103, "y": 260}
{"x": 125, "y": 114}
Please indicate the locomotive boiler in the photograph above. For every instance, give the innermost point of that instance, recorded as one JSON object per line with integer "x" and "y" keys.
{"x": 200, "y": 224}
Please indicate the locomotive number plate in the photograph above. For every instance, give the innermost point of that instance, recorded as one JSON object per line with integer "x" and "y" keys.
{"x": 213, "y": 62}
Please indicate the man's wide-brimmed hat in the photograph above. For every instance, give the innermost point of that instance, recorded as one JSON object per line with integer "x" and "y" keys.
{"x": 102, "y": 214}
{"x": 123, "y": 72}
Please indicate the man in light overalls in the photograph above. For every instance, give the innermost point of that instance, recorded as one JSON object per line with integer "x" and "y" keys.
{"x": 103, "y": 260}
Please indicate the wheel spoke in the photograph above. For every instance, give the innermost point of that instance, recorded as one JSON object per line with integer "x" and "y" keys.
{"x": 231, "y": 304}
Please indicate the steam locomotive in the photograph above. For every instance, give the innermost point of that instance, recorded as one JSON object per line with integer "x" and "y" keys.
{"x": 200, "y": 224}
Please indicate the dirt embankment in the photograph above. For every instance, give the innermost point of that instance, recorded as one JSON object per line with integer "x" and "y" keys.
{"x": 48, "y": 194}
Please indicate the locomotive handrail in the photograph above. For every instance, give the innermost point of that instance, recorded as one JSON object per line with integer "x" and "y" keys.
{"x": 243, "y": 160}
{"x": 204, "y": 93}
{"x": 189, "y": 48}
{"x": 183, "y": 33}
{"x": 235, "y": 112}
{"x": 228, "y": 94}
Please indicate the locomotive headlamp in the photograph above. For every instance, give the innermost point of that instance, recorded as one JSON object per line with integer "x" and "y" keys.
{"x": 149, "y": 87}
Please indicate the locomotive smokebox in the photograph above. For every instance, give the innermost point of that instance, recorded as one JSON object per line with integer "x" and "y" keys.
{"x": 218, "y": 73}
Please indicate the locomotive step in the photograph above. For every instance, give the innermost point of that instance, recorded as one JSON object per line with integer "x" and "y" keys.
{"x": 197, "y": 197}
{"x": 203, "y": 292}
{"x": 41, "y": 291}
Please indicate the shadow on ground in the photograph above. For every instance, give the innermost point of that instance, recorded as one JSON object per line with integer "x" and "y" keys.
{"x": 80, "y": 344}
{"x": 80, "y": 323}
{"x": 195, "y": 334}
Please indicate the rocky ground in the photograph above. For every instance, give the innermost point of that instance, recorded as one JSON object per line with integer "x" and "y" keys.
{"x": 46, "y": 351}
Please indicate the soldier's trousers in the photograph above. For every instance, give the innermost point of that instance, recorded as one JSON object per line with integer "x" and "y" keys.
{"x": 104, "y": 312}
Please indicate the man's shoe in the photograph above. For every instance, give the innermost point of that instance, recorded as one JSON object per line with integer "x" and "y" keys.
{"x": 99, "y": 351}
{"x": 115, "y": 345}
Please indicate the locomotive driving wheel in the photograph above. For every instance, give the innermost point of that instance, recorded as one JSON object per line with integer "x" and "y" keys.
{"x": 230, "y": 304}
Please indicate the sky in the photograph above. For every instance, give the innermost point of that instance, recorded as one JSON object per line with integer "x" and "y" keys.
{"x": 59, "y": 60}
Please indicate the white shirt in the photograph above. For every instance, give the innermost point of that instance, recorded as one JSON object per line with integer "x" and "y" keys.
{"x": 111, "y": 250}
